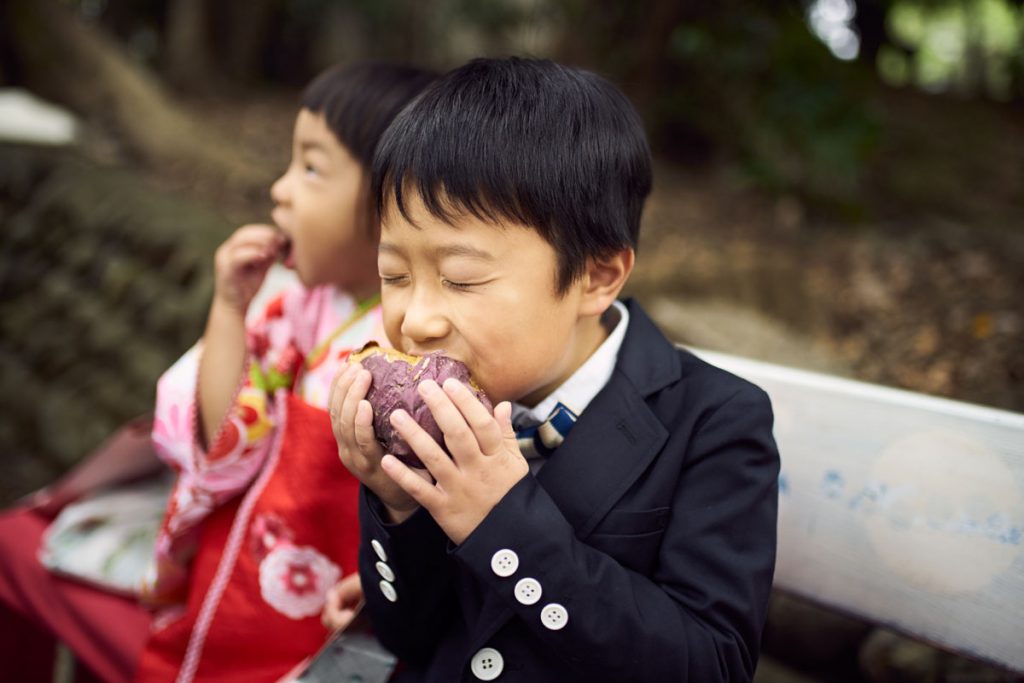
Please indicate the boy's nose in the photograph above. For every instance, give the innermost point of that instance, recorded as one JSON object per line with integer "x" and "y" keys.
{"x": 423, "y": 322}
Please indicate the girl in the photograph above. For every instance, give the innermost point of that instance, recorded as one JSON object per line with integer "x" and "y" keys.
{"x": 262, "y": 522}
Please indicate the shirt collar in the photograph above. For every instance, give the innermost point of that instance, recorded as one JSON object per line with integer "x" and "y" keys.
{"x": 579, "y": 390}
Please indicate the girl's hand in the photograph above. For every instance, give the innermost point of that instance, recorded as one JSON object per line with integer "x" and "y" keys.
{"x": 486, "y": 461}
{"x": 241, "y": 264}
{"x": 343, "y": 601}
{"x": 358, "y": 448}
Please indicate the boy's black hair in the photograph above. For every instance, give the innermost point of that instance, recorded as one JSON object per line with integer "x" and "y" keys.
{"x": 359, "y": 101}
{"x": 527, "y": 141}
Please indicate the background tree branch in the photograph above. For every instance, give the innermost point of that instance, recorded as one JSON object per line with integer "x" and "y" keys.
{"x": 74, "y": 63}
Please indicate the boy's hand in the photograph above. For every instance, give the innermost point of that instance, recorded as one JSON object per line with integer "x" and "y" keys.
{"x": 352, "y": 422}
{"x": 241, "y": 264}
{"x": 485, "y": 463}
{"x": 342, "y": 603}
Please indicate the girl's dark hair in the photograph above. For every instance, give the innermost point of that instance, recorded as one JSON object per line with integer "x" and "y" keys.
{"x": 359, "y": 101}
{"x": 527, "y": 141}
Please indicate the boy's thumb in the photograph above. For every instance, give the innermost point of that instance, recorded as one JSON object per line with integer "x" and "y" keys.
{"x": 503, "y": 414}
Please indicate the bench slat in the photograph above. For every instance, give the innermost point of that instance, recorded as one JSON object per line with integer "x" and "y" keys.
{"x": 902, "y": 509}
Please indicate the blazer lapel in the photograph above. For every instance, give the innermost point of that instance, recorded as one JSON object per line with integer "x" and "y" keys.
{"x": 611, "y": 445}
{"x": 617, "y": 436}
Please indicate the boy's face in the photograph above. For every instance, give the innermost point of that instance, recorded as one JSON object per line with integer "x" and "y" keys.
{"x": 322, "y": 206}
{"x": 486, "y": 296}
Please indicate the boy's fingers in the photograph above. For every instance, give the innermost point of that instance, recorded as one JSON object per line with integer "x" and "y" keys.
{"x": 413, "y": 484}
{"x": 350, "y": 405}
{"x": 503, "y": 416}
{"x": 437, "y": 462}
{"x": 486, "y": 432}
{"x": 336, "y": 403}
{"x": 364, "y": 435}
{"x": 458, "y": 435}
{"x": 336, "y": 394}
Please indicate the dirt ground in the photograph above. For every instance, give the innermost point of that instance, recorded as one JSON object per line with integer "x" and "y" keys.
{"x": 933, "y": 305}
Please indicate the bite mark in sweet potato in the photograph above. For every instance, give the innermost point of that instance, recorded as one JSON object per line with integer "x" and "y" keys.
{"x": 395, "y": 378}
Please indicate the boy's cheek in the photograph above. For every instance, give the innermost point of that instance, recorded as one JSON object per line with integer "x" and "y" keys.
{"x": 503, "y": 377}
{"x": 393, "y": 328}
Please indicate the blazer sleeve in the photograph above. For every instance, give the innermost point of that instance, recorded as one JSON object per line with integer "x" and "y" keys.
{"x": 698, "y": 616}
{"x": 422, "y": 602}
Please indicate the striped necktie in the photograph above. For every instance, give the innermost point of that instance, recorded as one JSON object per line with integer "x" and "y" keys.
{"x": 541, "y": 440}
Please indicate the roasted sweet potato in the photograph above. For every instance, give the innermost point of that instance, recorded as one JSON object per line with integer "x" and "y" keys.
{"x": 395, "y": 377}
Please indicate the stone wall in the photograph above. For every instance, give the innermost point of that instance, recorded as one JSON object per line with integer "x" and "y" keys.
{"x": 104, "y": 280}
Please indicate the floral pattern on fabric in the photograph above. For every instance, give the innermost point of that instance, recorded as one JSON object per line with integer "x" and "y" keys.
{"x": 278, "y": 342}
{"x": 294, "y": 580}
{"x": 266, "y": 533}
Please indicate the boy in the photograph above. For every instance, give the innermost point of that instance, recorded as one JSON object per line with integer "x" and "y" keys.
{"x": 636, "y": 543}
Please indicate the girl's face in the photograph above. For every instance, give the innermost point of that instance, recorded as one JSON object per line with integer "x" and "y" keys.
{"x": 322, "y": 206}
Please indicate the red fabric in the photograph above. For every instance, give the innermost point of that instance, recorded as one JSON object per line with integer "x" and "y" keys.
{"x": 248, "y": 640}
{"x": 105, "y": 631}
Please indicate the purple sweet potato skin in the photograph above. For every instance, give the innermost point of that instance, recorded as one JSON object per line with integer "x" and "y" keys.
{"x": 394, "y": 386}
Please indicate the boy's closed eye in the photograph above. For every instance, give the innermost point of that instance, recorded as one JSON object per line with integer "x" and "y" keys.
{"x": 462, "y": 286}
{"x": 395, "y": 280}
{"x": 464, "y": 276}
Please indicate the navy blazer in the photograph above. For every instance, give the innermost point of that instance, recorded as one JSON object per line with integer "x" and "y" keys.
{"x": 649, "y": 537}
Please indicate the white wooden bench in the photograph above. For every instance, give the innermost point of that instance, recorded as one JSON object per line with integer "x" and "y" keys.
{"x": 901, "y": 509}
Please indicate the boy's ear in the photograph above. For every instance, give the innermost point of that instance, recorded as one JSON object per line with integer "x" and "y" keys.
{"x": 604, "y": 279}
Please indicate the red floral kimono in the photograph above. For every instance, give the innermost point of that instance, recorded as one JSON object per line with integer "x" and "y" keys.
{"x": 262, "y": 524}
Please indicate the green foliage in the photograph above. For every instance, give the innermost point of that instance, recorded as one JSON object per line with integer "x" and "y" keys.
{"x": 769, "y": 94}
{"x": 737, "y": 79}
{"x": 973, "y": 48}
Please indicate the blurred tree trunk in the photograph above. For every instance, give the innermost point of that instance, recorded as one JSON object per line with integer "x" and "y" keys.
{"x": 75, "y": 64}
{"x": 1017, "y": 64}
{"x": 661, "y": 21}
{"x": 975, "y": 68}
{"x": 187, "y": 62}
{"x": 244, "y": 34}
{"x": 211, "y": 45}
